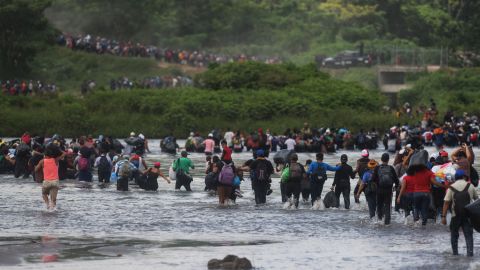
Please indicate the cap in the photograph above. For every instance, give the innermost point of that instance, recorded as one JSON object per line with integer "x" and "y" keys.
{"x": 443, "y": 153}
{"x": 365, "y": 153}
{"x": 260, "y": 153}
{"x": 459, "y": 174}
{"x": 434, "y": 155}
{"x": 132, "y": 134}
{"x": 156, "y": 164}
{"x": 402, "y": 151}
{"x": 184, "y": 153}
{"x": 408, "y": 146}
{"x": 141, "y": 136}
{"x": 210, "y": 135}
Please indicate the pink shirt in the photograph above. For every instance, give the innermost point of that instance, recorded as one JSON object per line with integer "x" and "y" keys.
{"x": 209, "y": 145}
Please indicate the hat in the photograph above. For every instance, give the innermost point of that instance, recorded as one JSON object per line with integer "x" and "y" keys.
{"x": 184, "y": 153}
{"x": 141, "y": 136}
{"x": 402, "y": 151}
{"x": 372, "y": 164}
{"x": 210, "y": 135}
{"x": 132, "y": 134}
{"x": 156, "y": 164}
{"x": 260, "y": 153}
{"x": 365, "y": 153}
{"x": 460, "y": 174}
{"x": 434, "y": 155}
{"x": 443, "y": 153}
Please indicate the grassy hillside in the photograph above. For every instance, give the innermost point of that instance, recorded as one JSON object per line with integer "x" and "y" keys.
{"x": 70, "y": 68}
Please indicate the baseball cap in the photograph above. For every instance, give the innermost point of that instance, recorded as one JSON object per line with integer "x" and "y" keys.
{"x": 156, "y": 164}
{"x": 184, "y": 153}
{"x": 260, "y": 153}
{"x": 365, "y": 153}
{"x": 210, "y": 135}
{"x": 443, "y": 153}
{"x": 141, "y": 136}
{"x": 132, "y": 134}
{"x": 402, "y": 151}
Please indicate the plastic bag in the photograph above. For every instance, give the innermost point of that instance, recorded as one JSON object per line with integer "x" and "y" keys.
{"x": 113, "y": 177}
{"x": 285, "y": 174}
{"x": 331, "y": 200}
{"x": 172, "y": 174}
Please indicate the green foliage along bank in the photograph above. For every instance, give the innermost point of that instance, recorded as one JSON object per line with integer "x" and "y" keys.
{"x": 252, "y": 102}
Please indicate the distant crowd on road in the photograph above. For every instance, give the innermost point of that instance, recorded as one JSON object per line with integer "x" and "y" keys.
{"x": 197, "y": 58}
{"x": 27, "y": 87}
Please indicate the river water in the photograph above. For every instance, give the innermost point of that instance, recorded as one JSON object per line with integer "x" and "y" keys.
{"x": 96, "y": 228}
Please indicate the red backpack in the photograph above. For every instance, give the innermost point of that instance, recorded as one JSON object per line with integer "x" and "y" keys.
{"x": 83, "y": 164}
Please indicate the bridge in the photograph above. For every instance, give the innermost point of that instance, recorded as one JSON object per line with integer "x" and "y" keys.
{"x": 391, "y": 79}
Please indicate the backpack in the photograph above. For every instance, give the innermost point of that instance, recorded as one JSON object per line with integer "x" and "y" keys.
{"x": 320, "y": 175}
{"x": 125, "y": 169}
{"x": 371, "y": 187}
{"x": 461, "y": 199}
{"x": 295, "y": 173}
{"x": 385, "y": 177}
{"x": 104, "y": 165}
{"x": 83, "y": 164}
{"x": 261, "y": 172}
{"x": 226, "y": 175}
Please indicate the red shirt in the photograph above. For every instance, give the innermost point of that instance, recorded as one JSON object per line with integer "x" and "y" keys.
{"x": 409, "y": 181}
{"x": 227, "y": 153}
{"x": 423, "y": 181}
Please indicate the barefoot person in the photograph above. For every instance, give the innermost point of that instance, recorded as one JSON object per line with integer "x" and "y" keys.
{"x": 49, "y": 165}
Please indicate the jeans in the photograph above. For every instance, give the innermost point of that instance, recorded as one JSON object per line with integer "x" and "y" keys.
{"x": 384, "y": 204}
{"x": 345, "y": 191}
{"x": 407, "y": 203}
{"x": 455, "y": 224}
{"x": 316, "y": 188}
{"x": 421, "y": 200}
{"x": 293, "y": 188}
{"x": 260, "y": 189}
{"x": 372, "y": 203}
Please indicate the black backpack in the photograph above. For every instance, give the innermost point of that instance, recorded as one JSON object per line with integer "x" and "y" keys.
{"x": 295, "y": 172}
{"x": 385, "y": 176}
{"x": 104, "y": 165}
{"x": 261, "y": 171}
{"x": 461, "y": 199}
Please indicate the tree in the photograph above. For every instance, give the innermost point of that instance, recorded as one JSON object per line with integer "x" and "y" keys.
{"x": 24, "y": 30}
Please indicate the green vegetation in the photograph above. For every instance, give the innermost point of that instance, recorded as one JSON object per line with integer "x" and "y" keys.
{"x": 308, "y": 96}
{"x": 70, "y": 68}
{"x": 452, "y": 90}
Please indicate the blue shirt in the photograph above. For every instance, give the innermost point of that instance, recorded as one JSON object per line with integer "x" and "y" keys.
{"x": 314, "y": 166}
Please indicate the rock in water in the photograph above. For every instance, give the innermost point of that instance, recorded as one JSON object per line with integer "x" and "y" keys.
{"x": 230, "y": 262}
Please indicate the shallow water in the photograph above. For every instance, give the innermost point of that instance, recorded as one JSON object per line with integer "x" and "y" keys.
{"x": 95, "y": 228}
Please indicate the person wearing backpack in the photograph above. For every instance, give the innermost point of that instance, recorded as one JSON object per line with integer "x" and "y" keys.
{"x": 370, "y": 188}
{"x": 124, "y": 170}
{"x": 260, "y": 171}
{"x": 459, "y": 194}
{"x": 225, "y": 182}
{"x": 182, "y": 167}
{"x": 341, "y": 181}
{"x": 82, "y": 164}
{"x": 294, "y": 183}
{"x": 104, "y": 165}
{"x": 317, "y": 172}
{"x": 385, "y": 177}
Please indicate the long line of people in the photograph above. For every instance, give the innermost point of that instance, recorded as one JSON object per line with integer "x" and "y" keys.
{"x": 198, "y": 58}
{"x": 27, "y": 87}
{"x": 425, "y": 186}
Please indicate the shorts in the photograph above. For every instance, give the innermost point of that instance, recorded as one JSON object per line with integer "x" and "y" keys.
{"x": 48, "y": 186}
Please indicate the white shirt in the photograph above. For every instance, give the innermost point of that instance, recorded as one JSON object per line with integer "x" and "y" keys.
{"x": 228, "y": 137}
{"x": 290, "y": 144}
{"x": 460, "y": 186}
